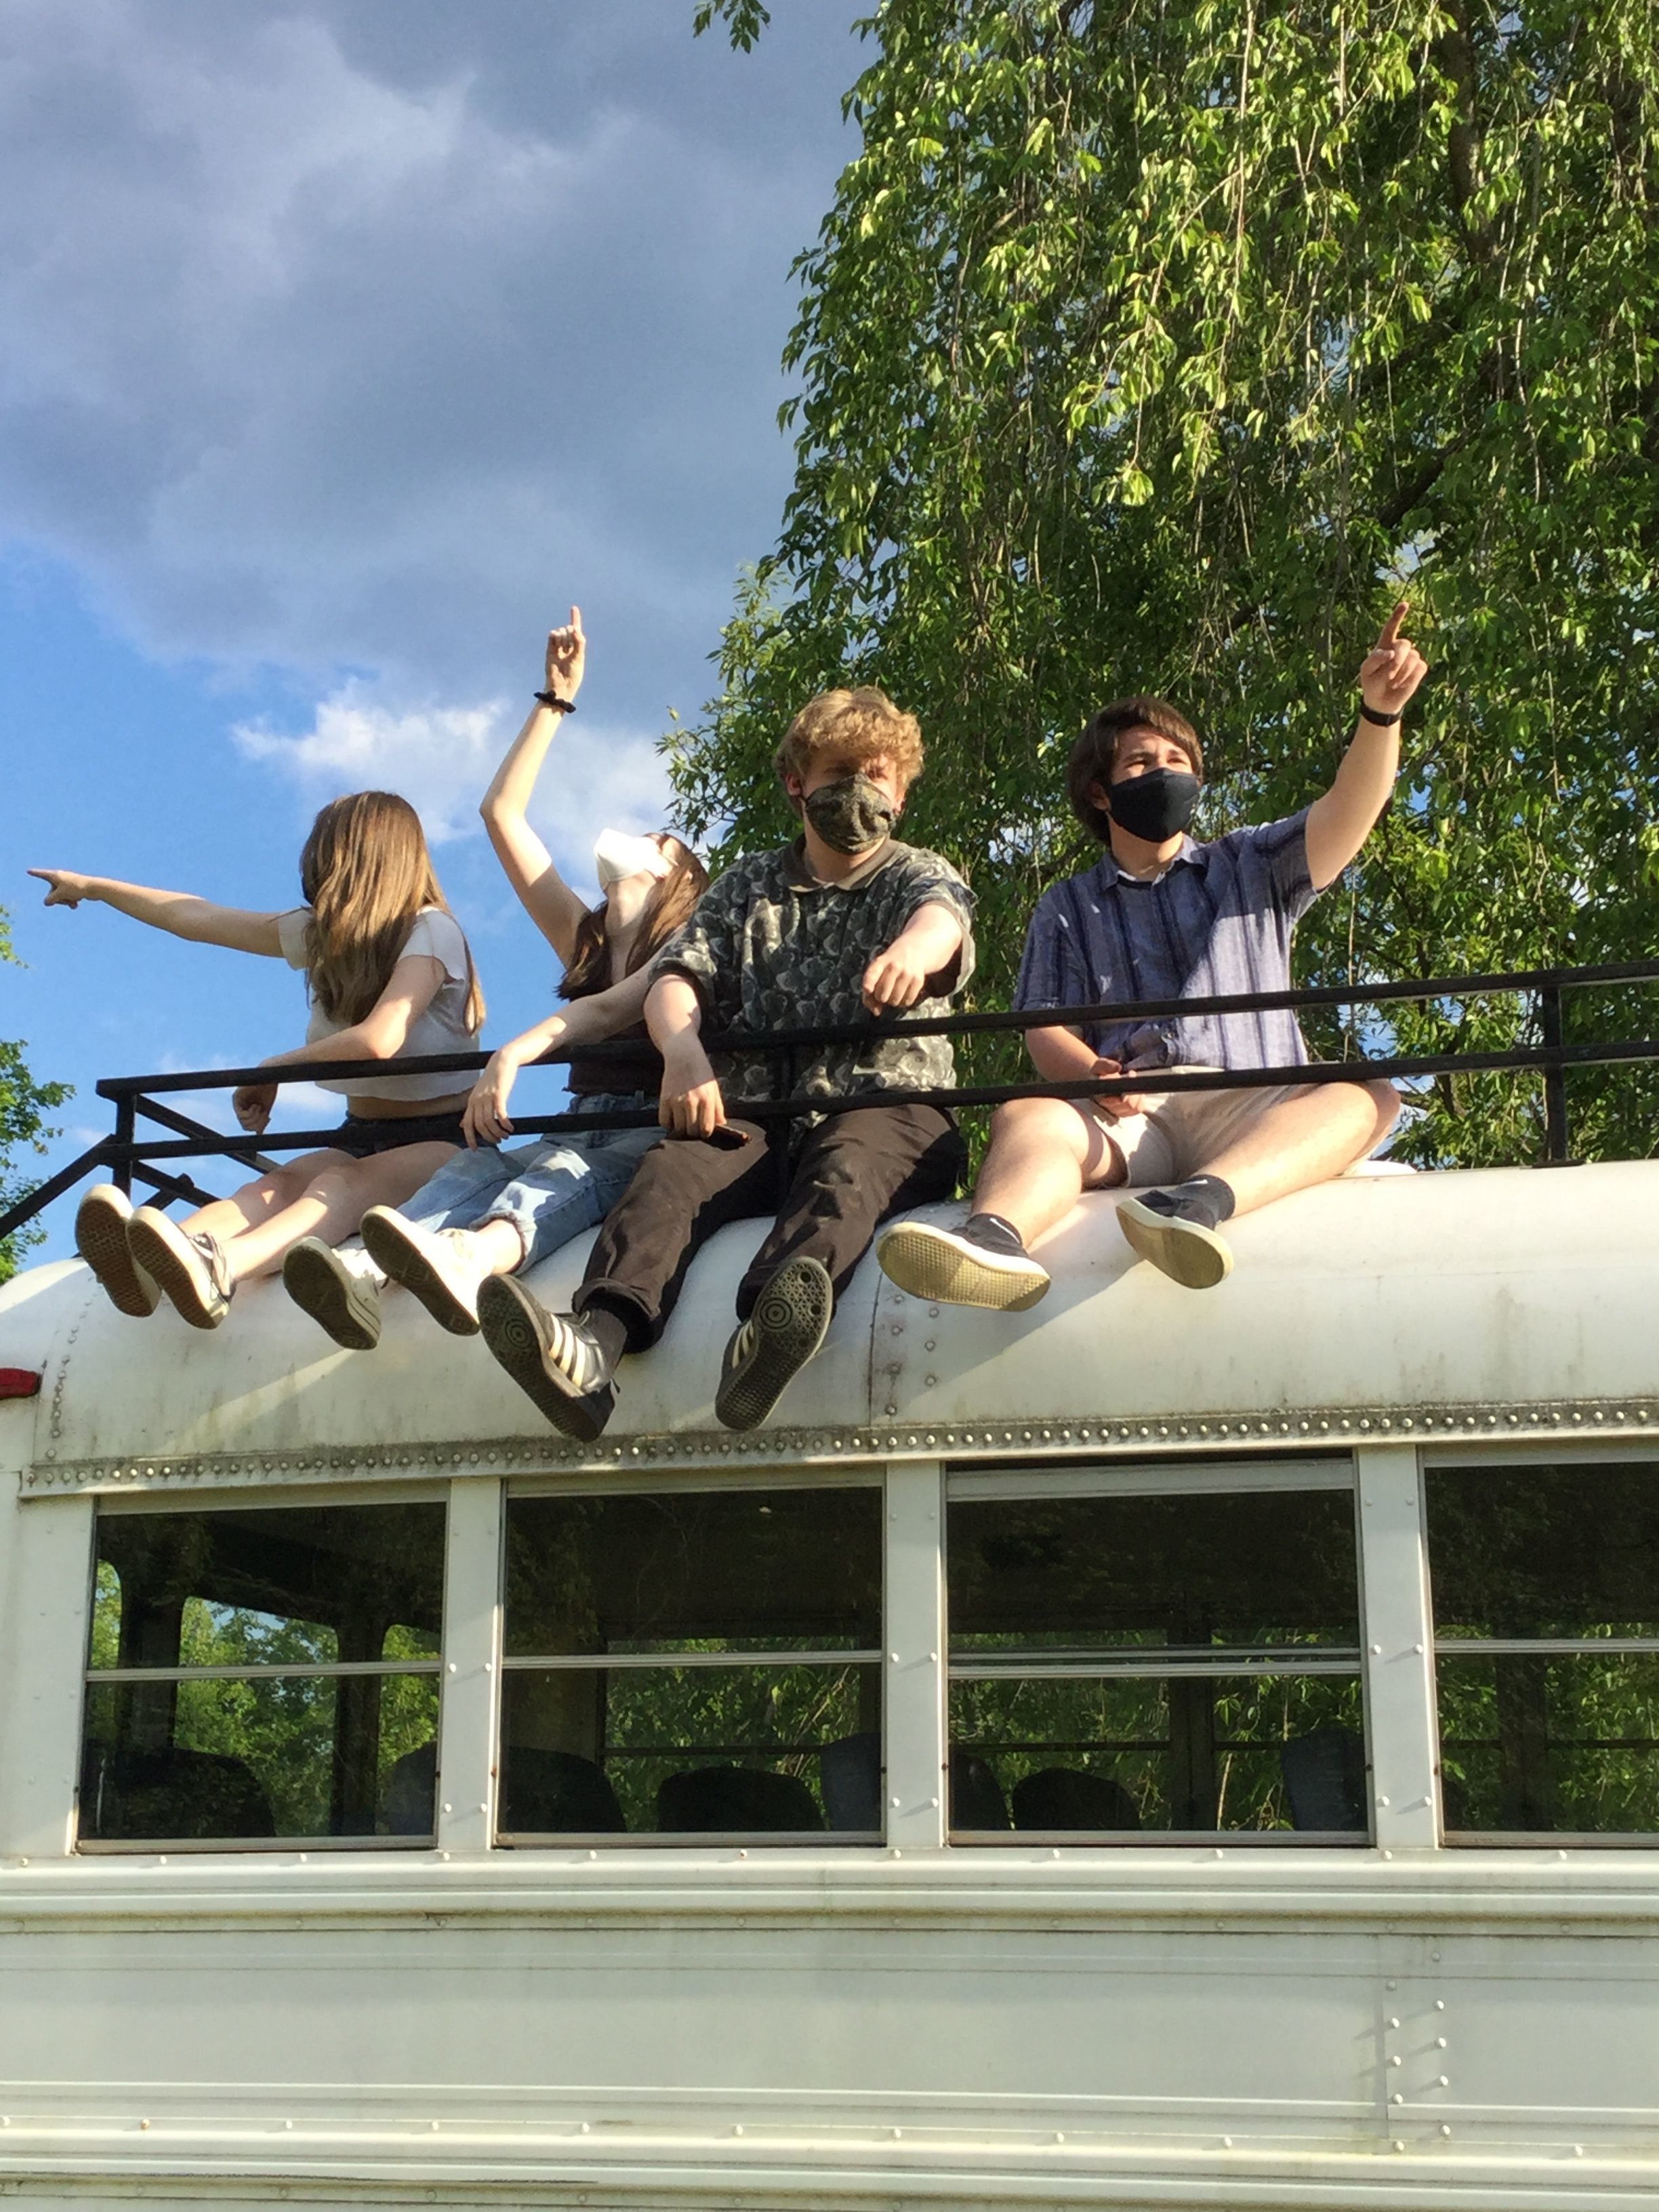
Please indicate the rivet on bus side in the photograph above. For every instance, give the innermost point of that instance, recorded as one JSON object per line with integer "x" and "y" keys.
{"x": 449, "y": 1808}
{"x": 1445, "y": 2130}
{"x": 1226, "y": 2143}
{"x": 1398, "y": 2098}
{"x": 1376, "y": 1650}
{"x": 1439, "y": 2002}
{"x": 1579, "y": 2150}
{"x": 1382, "y": 1806}
{"x": 1398, "y": 2144}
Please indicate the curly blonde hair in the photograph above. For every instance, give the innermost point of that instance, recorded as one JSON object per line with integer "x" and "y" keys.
{"x": 855, "y": 727}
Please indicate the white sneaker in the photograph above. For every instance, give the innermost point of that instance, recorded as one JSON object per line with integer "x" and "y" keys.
{"x": 101, "y": 1237}
{"x": 340, "y": 1290}
{"x": 440, "y": 1266}
{"x": 189, "y": 1265}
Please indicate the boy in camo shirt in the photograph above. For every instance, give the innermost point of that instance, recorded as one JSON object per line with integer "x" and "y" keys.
{"x": 844, "y": 924}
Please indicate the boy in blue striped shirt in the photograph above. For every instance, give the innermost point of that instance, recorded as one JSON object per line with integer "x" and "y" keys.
{"x": 1161, "y": 916}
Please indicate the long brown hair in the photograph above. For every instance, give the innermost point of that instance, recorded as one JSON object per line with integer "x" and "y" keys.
{"x": 366, "y": 874}
{"x": 671, "y": 902}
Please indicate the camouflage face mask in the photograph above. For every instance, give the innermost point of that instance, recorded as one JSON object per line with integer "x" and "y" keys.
{"x": 852, "y": 814}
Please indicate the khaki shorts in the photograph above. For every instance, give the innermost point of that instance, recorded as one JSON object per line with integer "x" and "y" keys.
{"x": 1183, "y": 1130}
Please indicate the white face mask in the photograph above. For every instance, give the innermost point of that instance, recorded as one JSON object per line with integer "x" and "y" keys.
{"x": 616, "y": 854}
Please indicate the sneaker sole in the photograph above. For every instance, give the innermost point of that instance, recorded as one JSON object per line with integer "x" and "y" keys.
{"x": 1186, "y": 1251}
{"x": 100, "y": 1238}
{"x": 929, "y": 1266}
{"x": 790, "y": 1318}
{"x": 403, "y": 1264}
{"x": 317, "y": 1289}
{"x": 509, "y": 1330}
{"x": 172, "y": 1276}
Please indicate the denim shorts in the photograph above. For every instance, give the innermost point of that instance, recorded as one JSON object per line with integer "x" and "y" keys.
{"x": 551, "y": 1190}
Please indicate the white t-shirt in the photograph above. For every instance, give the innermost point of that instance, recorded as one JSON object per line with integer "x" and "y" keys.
{"x": 441, "y": 1028}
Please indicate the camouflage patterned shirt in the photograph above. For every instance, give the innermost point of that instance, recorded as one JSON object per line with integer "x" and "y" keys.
{"x": 771, "y": 947}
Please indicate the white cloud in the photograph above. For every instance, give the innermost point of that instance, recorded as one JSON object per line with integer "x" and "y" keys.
{"x": 441, "y": 758}
{"x": 347, "y": 335}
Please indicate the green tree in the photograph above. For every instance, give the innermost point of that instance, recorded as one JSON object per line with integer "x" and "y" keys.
{"x": 1157, "y": 344}
{"x": 24, "y": 1104}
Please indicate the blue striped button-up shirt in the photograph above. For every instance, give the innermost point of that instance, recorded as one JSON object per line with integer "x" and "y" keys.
{"x": 1218, "y": 921}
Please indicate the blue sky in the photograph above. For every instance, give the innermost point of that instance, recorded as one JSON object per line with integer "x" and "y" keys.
{"x": 342, "y": 343}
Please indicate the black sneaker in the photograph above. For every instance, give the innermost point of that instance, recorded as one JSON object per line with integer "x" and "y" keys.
{"x": 1182, "y": 1242}
{"x": 551, "y": 1356}
{"x": 983, "y": 1263}
{"x": 769, "y": 1350}
{"x": 338, "y": 1290}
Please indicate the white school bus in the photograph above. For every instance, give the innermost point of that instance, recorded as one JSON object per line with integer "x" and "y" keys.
{"x": 1157, "y": 1750}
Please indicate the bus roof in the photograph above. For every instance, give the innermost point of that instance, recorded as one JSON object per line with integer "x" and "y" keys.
{"x": 1467, "y": 1303}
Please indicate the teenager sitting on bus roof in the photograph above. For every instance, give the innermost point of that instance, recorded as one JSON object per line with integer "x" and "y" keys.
{"x": 389, "y": 977}
{"x": 843, "y": 923}
{"x": 487, "y": 1211}
{"x": 1163, "y": 916}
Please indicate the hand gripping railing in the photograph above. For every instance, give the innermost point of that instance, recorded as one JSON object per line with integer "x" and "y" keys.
{"x": 128, "y": 1157}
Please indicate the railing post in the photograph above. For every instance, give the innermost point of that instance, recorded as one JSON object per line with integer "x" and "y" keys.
{"x": 126, "y": 1128}
{"x": 1556, "y": 1154}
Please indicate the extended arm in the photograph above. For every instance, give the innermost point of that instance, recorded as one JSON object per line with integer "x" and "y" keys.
{"x": 181, "y": 914}
{"x": 926, "y": 946}
{"x": 692, "y": 1104}
{"x": 1339, "y": 822}
{"x": 586, "y": 1022}
{"x": 543, "y": 892}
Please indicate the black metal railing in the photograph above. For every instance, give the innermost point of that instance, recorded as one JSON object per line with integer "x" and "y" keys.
{"x": 127, "y": 1156}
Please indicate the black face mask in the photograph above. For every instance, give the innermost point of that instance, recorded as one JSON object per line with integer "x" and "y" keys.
{"x": 1156, "y": 806}
{"x": 851, "y": 815}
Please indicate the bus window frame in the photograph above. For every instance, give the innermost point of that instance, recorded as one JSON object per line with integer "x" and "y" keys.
{"x": 1475, "y": 1456}
{"x": 871, "y": 1475}
{"x": 433, "y": 1490}
{"x": 1212, "y": 1475}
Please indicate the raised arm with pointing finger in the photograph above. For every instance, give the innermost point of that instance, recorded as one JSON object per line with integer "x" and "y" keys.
{"x": 1339, "y": 823}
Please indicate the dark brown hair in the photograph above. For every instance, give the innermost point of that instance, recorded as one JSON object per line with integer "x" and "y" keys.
{"x": 366, "y": 874}
{"x": 1095, "y": 753}
{"x": 673, "y": 901}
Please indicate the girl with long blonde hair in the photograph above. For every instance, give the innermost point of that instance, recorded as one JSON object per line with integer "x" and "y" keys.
{"x": 490, "y": 1211}
{"x": 389, "y": 977}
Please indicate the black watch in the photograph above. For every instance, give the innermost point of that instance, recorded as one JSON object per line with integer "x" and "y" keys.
{"x": 1382, "y": 721}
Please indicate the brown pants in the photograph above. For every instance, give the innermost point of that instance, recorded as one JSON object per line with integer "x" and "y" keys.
{"x": 850, "y": 1173}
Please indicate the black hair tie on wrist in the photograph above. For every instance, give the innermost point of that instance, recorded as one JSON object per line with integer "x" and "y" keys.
{"x": 1382, "y": 721}
{"x": 569, "y": 706}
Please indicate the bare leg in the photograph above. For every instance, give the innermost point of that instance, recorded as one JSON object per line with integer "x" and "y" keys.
{"x": 256, "y": 1202}
{"x": 331, "y": 1205}
{"x": 1310, "y": 1139}
{"x": 1043, "y": 1155}
{"x": 496, "y": 1246}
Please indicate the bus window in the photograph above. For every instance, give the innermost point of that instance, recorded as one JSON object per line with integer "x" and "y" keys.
{"x": 264, "y": 1674}
{"x": 698, "y": 1665}
{"x": 1126, "y": 1665}
{"x": 1546, "y": 1590}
